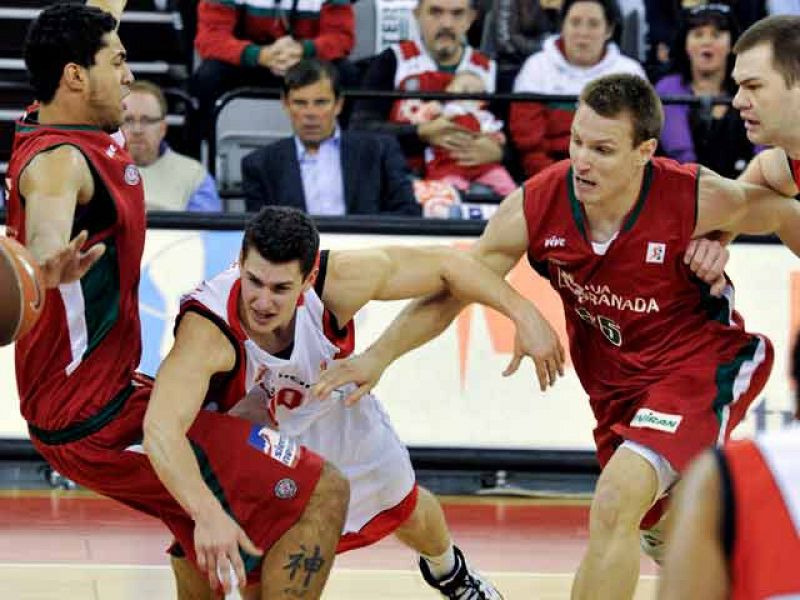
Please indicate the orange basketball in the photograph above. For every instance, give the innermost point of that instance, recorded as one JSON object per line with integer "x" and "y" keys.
{"x": 22, "y": 291}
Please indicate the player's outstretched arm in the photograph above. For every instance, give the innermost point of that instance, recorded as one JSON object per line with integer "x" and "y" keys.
{"x": 53, "y": 184}
{"x": 727, "y": 205}
{"x": 115, "y": 7}
{"x": 454, "y": 279}
{"x": 200, "y": 350}
{"x": 695, "y": 565}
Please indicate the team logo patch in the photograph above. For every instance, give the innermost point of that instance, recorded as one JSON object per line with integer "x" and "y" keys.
{"x": 132, "y": 175}
{"x": 285, "y": 489}
{"x": 651, "y": 419}
{"x": 656, "y": 252}
{"x": 273, "y": 444}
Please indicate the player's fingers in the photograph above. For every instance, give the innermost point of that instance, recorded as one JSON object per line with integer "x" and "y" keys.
{"x": 513, "y": 365}
{"x": 690, "y": 250}
{"x": 551, "y": 372}
{"x": 226, "y": 572}
{"x": 92, "y": 255}
{"x": 718, "y": 286}
{"x": 211, "y": 572}
{"x": 699, "y": 256}
{"x": 202, "y": 563}
{"x": 359, "y": 393}
{"x": 541, "y": 374}
{"x": 247, "y": 544}
{"x": 562, "y": 359}
{"x": 79, "y": 240}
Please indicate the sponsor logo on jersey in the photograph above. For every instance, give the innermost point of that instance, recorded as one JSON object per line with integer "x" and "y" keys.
{"x": 131, "y": 175}
{"x": 656, "y": 251}
{"x": 651, "y": 419}
{"x": 286, "y": 489}
{"x": 273, "y": 444}
{"x": 555, "y": 241}
{"x": 600, "y": 294}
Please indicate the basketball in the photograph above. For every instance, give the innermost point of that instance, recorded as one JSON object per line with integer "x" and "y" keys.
{"x": 22, "y": 291}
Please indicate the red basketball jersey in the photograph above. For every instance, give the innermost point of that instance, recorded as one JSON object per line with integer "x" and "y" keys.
{"x": 85, "y": 347}
{"x": 765, "y": 478}
{"x": 635, "y": 313}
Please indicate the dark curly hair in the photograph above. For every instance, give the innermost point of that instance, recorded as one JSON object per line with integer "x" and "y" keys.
{"x": 281, "y": 234}
{"x": 62, "y": 34}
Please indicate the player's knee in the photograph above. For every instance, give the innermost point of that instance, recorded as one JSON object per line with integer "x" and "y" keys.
{"x": 333, "y": 490}
{"x": 609, "y": 508}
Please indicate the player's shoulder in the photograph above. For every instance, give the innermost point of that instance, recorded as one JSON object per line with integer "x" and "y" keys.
{"x": 548, "y": 177}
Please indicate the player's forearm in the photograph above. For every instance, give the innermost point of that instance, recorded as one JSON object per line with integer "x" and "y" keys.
{"x": 114, "y": 7}
{"x": 46, "y": 237}
{"x": 176, "y": 466}
{"x": 765, "y": 211}
{"x": 419, "y": 322}
{"x": 470, "y": 280}
{"x": 167, "y": 445}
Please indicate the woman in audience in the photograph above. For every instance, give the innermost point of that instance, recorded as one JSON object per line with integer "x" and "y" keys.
{"x": 712, "y": 135}
{"x": 582, "y": 52}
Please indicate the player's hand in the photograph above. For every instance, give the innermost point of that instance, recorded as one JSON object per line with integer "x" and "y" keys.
{"x": 707, "y": 259}
{"x": 535, "y": 337}
{"x": 364, "y": 371}
{"x": 217, "y": 539}
{"x": 71, "y": 263}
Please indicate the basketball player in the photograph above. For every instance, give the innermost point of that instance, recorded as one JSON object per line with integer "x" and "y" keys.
{"x": 276, "y": 319}
{"x": 79, "y": 393}
{"x": 737, "y": 520}
{"x": 767, "y": 71}
{"x": 668, "y": 369}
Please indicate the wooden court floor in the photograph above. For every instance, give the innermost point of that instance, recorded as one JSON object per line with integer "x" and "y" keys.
{"x": 57, "y": 545}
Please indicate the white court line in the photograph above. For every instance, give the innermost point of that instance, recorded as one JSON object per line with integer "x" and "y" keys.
{"x": 124, "y": 567}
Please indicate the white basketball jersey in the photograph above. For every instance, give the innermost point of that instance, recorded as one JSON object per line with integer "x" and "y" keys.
{"x": 359, "y": 440}
{"x": 283, "y": 384}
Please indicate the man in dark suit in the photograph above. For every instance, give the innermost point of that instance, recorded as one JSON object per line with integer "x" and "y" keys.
{"x": 321, "y": 169}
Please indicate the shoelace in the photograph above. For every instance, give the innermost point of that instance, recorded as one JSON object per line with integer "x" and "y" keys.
{"x": 473, "y": 588}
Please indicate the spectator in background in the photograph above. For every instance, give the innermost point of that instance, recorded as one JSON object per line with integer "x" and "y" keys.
{"x": 520, "y": 28}
{"x": 664, "y": 17}
{"x": 254, "y": 42}
{"x": 321, "y": 169}
{"x": 417, "y": 66}
{"x": 172, "y": 181}
{"x": 470, "y": 114}
{"x": 713, "y": 135}
{"x": 582, "y": 52}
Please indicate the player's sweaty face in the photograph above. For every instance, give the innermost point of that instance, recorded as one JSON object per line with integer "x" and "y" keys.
{"x": 604, "y": 160}
{"x": 270, "y": 292}
{"x": 109, "y": 78}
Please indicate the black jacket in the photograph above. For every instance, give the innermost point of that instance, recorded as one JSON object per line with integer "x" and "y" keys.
{"x": 376, "y": 178}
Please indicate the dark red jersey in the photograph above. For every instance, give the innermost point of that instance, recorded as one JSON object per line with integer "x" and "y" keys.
{"x": 87, "y": 343}
{"x": 636, "y": 313}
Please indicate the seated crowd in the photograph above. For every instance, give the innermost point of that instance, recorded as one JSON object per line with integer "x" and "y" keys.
{"x": 412, "y": 156}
